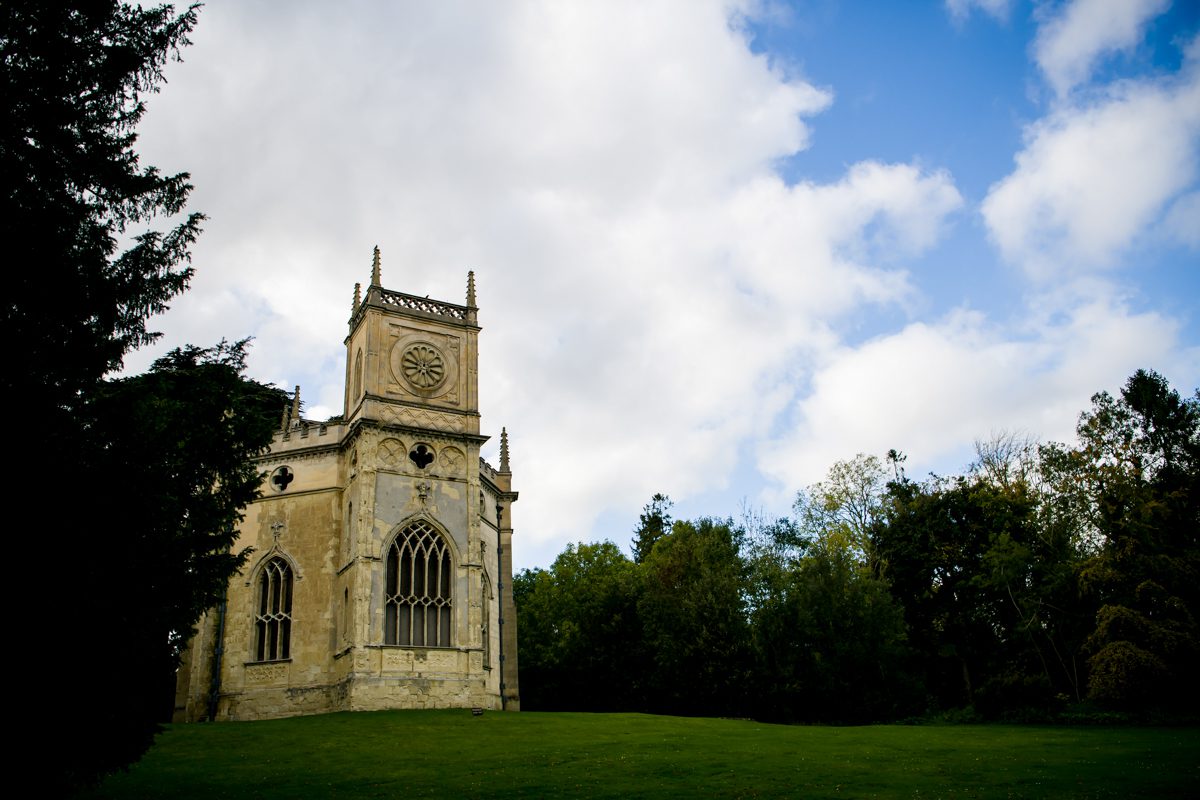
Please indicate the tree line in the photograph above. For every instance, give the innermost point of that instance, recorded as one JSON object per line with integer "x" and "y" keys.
{"x": 1046, "y": 580}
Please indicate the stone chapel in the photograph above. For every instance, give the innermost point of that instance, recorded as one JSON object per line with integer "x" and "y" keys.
{"x": 381, "y": 570}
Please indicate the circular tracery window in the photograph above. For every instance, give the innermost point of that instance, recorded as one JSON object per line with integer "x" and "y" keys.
{"x": 281, "y": 478}
{"x": 423, "y": 366}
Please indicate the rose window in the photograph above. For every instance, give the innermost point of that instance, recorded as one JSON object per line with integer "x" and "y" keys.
{"x": 423, "y": 366}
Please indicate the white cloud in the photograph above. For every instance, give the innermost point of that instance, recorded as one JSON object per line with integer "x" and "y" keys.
{"x": 656, "y": 301}
{"x": 930, "y": 389}
{"x": 1093, "y": 177}
{"x": 1069, "y": 44}
{"x": 961, "y": 9}
{"x": 684, "y": 345}
{"x": 647, "y": 283}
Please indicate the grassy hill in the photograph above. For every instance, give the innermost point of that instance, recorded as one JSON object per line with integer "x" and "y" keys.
{"x": 452, "y": 754}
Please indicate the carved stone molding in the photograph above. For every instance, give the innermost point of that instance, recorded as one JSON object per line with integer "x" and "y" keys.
{"x": 391, "y": 453}
{"x": 420, "y": 418}
{"x": 451, "y": 461}
{"x": 266, "y": 674}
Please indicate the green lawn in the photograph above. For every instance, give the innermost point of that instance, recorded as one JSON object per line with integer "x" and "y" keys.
{"x": 452, "y": 754}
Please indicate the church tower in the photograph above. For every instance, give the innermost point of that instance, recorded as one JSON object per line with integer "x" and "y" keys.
{"x": 381, "y": 575}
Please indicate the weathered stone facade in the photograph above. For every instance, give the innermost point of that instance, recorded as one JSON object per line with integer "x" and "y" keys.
{"x": 381, "y": 574}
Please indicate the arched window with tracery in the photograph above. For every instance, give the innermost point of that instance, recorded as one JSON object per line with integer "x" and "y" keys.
{"x": 418, "y": 601}
{"x": 273, "y": 620}
{"x": 486, "y": 628}
{"x": 358, "y": 378}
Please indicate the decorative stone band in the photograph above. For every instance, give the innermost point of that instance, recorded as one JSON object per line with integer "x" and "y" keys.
{"x": 425, "y": 661}
{"x": 421, "y": 418}
{"x": 266, "y": 673}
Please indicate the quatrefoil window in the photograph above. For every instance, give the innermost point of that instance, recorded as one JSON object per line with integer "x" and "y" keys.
{"x": 281, "y": 478}
{"x": 421, "y": 455}
{"x": 423, "y": 366}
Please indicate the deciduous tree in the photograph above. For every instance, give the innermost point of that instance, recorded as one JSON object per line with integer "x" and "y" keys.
{"x": 1134, "y": 482}
{"x": 693, "y": 610}
{"x": 580, "y": 632}
{"x": 830, "y": 642}
{"x": 845, "y": 505}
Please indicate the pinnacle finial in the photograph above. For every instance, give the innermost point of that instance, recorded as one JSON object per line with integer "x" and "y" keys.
{"x": 375, "y": 268}
{"x": 283, "y": 423}
{"x": 357, "y": 298}
{"x": 295, "y": 407}
{"x": 471, "y": 289}
{"x": 504, "y": 450}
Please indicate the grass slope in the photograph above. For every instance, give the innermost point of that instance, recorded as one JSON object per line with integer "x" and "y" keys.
{"x": 452, "y": 754}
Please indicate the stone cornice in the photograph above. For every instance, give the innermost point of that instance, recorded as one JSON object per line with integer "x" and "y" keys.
{"x": 299, "y": 454}
{"x": 296, "y": 493}
{"x": 416, "y": 405}
{"x": 361, "y": 423}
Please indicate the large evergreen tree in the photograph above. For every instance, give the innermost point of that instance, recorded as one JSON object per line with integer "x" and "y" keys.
{"x": 653, "y": 524}
{"x": 131, "y": 487}
{"x": 74, "y": 80}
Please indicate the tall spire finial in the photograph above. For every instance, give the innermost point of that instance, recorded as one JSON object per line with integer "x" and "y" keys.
{"x": 295, "y": 407}
{"x": 375, "y": 268}
{"x": 504, "y": 450}
{"x": 357, "y": 298}
{"x": 471, "y": 289}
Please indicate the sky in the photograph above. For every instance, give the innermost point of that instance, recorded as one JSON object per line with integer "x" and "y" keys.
{"x": 718, "y": 245}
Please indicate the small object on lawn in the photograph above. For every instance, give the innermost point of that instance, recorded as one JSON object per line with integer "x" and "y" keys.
{"x": 476, "y": 712}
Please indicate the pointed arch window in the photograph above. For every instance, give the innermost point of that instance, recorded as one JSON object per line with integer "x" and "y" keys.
{"x": 358, "y": 377}
{"x": 273, "y": 620}
{"x": 486, "y": 630}
{"x": 418, "y": 601}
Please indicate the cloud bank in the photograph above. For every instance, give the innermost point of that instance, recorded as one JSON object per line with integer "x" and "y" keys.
{"x": 662, "y": 311}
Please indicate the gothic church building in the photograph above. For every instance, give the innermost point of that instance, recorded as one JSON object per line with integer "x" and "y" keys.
{"x": 381, "y": 571}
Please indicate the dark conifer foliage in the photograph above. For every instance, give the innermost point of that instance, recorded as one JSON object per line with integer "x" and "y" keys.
{"x": 163, "y": 469}
{"x": 74, "y": 82}
{"x": 130, "y": 488}
{"x": 653, "y": 524}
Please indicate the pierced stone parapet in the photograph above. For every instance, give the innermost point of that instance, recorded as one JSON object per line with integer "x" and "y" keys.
{"x": 435, "y": 307}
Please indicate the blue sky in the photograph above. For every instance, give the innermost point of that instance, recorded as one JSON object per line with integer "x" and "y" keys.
{"x": 718, "y": 245}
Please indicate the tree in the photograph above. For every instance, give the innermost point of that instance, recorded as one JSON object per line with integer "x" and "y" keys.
{"x": 829, "y": 641}
{"x": 1006, "y": 460}
{"x": 135, "y": 483}
{"x": 693, "y": 611}
{"x": 163, "y": 468}
{"x": 74, "y": 81}
{"x": 580, "y": 633}
{"x": 846, "y": 505}
{"x": 979, "y": 588}
{"x": 1134, "y": 483}
{"x": 653, "y": 524}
